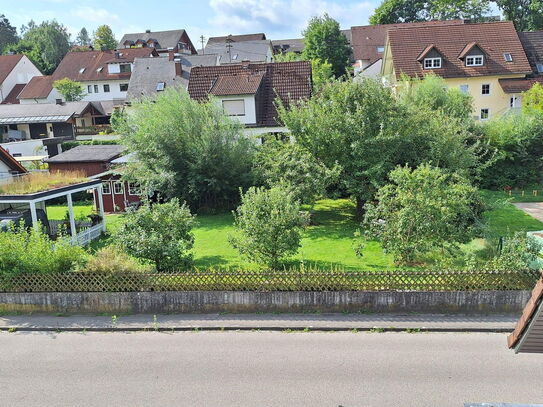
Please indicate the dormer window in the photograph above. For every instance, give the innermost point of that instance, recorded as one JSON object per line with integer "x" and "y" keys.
{"x": 82, "y": 70}
{"x": 475, "y": 60}
{"x": 508, "y": 57}
{"x": 432, "y": 63}
{"x": 539, "y": 67}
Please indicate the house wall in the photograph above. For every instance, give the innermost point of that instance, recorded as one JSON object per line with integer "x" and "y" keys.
{"x": 22, "y": 73}
{"x": 250, "y": 108}
{"x": 26, "y": 148}
{"x": 89, "y": 168}
{"x": 113, "y": 94}
{"x": 372, "y": 71}
{"x": 115, "y": 202}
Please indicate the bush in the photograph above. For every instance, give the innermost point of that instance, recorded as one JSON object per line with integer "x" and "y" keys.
{"x": 31, "y": 251}
{"x": 67, "y": 145}
{"x": 161, "y": 233}
{"x": 112, "y": 260}
{"x": 269, "y": 224}
{"x": 518, "y": 252}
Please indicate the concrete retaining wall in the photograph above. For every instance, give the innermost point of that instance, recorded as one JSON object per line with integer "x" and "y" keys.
{"x": 241, "y": 301}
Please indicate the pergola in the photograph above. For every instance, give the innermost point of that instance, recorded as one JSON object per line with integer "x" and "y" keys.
{"x": 35, "y": 200}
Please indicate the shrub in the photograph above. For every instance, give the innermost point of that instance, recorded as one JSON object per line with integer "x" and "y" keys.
{"x": 112, "y": 260}
{"x": 518, "y": 252}
{"x": 32, "y": 251}
{"x": 269, "y": 224}
{"x": 161, "y": 233}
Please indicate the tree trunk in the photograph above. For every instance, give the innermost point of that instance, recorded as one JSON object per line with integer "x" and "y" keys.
{"x": 360, "y": 208}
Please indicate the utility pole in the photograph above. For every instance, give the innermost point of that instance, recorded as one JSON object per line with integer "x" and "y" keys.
{"x": 202, "y": 39}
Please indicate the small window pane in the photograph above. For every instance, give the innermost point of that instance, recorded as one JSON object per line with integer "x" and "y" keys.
{"x": 485, "y": 89}
{"x": 89, "y": 88}
{"x": 134, "y": 189}
{"x": 508, "y": 57}
{"x": 118, "y": 187}
{"x": 123, "y": 87}
{"x": 380, "y": 49}
{"x": 95, "y": 88}
{"x": 106, "y": 188}
{"x": 160, "y": 86}
{"x": 106, "y": 88}
{"x": 464, "y": 88}
{"x": 234, "y": 107}
{"x": 484, "y": 114}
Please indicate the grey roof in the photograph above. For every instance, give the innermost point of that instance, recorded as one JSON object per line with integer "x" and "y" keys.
{"x": 148, "y": 72}
{"x": 254, "y": 51}
{"x": 92, "y": 153}
{"x": 291, "y": 45}
{"x": 165, "y": 39}
{"x": 41, "y": 112}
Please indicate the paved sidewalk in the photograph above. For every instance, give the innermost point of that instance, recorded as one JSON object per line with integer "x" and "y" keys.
{"x": 393, "y": 322}
{"x": 534, "y": 209}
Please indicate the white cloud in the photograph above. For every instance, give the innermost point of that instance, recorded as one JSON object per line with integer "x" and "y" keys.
{"x": 95, "y": 15}
{"x": 280, "y": 18}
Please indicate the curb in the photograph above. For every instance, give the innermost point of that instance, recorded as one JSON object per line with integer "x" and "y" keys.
{"x": 252, "y": 329}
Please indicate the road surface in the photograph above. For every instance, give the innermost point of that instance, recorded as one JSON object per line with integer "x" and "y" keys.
{"x": 264, "y": 369}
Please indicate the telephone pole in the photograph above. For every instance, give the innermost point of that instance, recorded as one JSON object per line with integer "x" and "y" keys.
{"x": 202, "y": 39}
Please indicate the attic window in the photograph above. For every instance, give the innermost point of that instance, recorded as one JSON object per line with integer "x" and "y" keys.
{"x": 99, "y": 69}
{"x": 508, "y": 57}
{"x": 82, "y": 70}
{"x": 539, "y": 66}
{"x": 380, "y": 49}
{"x": 432, "y": 63}
{"x": 235, "y": 56}
{"x": 160, "y": 86}
{"x": 475, "y": 60}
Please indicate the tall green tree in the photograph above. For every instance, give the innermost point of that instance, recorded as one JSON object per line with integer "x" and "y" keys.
{"x": 324, "y": 41}
{"x": 527, "y": 15}
{"x": 104, "y": 38}
{"x": 83, "y": 39}
{"x": 8, "y": 33}
{"x": 45, "y": 44}
{"x": 72, "y": 91}
{"x": 321, "y": 72}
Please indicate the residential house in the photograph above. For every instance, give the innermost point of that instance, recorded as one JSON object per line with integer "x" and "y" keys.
{"x": 15, "y": 72}
{"x": 164, "y": 42}
{"x": 89, "y": 159}
{"x": 295, "y": 45}
{"x": 153, "y": 75}
{"x": 9, "y": 166}
{"x": 474, "y": 58}
{"x": 248, "y": 91}
{"x": 234, "y": 52}
{"x": 104, "y": 75}
{"x": 368, "y": 44}
{"x": 237, "y": 38}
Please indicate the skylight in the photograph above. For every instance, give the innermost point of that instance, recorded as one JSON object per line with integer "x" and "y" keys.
{"x": 508, "y": 57}
{"x": 539, "y": 66}
{"x": 160, "y": 86}
{"x": 82, "y": 70}
{"x": 99, "y": 69}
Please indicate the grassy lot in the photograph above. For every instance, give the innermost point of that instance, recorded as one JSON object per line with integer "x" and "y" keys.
{"x": 327, "y": 243}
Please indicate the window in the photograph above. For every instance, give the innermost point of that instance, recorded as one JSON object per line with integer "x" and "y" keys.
{"x": 125, "y": 68}
{"x": 464, "y": 88}
{"x": 89, "y": 88}
{"x": 106, "y": 188}
{"x": 160, "y": 86}
{"x": 432, "y": 63}
{"x": 474, "y": 60}
{"x": 99, "y": 69}
{"x": 485, "y": 89}
{"x": 106, "y": 88}
{"x": 96, "y": 89}
{"x": 380, "y": 49}
{"x": 83, "y": 123}
{"x": 508, "y": 57}
{"x": 134, "y": 189}
{"x": 539, "y": 66}
{"x": 234, "y": 107}
{"x": 484, "y": 114}
{"x": 123, "y": 87}
{"x": 514, "y": 101}
{"x": 82, "y": 70}
{"x": 118, "y": 187}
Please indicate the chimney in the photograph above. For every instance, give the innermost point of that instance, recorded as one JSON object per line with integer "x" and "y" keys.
{"x": 148, "y": 31}
{"x": 58, "y": 101}
{"x": 178, "y": 67}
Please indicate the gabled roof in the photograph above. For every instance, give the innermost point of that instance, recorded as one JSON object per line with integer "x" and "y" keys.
{"x": 88, "y": 153}
{"x": 519, "y": 85}
{"x": 11, "y": 162}
{"x": 42, "y": 112}
{"x": 11, "y": 98}
{"x": 39, "y": 87}
{"x": 241, "y": 84}
{"x": 165, "y": 39}
{"x": 237, "y": 38}
{"x": 366, "y": 39}
{"x": 425, "y": 52}
{"x": 495, "y": 38}
{"x": 291, "y": 45}
{"x": 236, "y": 52}
{"x": 533, "y": 46}
{"x": 7, "y": 63}
{"x": 468, "y": 48}
{"x": 288, "y": 81}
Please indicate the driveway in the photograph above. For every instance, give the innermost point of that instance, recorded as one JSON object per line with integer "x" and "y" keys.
{"x": 534, "y": 209}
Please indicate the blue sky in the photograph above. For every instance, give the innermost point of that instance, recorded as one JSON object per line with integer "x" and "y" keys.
{"x": 279, "y": 19}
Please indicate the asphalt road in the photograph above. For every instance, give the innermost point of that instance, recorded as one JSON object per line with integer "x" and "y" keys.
{"x": 264, "y": 369}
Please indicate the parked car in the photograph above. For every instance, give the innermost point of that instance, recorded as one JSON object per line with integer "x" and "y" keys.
{"x": 16, "y": 216}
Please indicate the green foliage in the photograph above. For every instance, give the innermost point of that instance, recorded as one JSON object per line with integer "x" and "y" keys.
{"x": 518, "y": 142}
{"x": 408, "y": 11}
{"x": 269, "y": 224}
{"x": 321, "y": 72}
{"x": 527, "y": 15}
{"x": 423, "y": 210}
{"x": 72, "y": 91}
{"x": 112, "y": 260}
{"x": 104, "y": 38}
{"x": 8, "y": 33}
{"x": 187, "y": 149}
{"x": 291, "y": 166}
{"x": 31, "y": 251}
{"x": 45, "y": 44}
{"x": 67, "y": 145}
{"x": 532, "y": 100}
{"x": 161, "y": 233}
{"x": 83, "y": 39}
{"x": 324, "y": 41}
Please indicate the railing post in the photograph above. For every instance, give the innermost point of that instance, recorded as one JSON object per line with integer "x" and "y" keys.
{"x": 34, "y": 215}
{"x": 72, "y": 218}
{"x": 101, "y": 207}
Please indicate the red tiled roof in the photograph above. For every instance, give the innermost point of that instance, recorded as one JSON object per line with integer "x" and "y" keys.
{"x": 39, "y": 87}
{"x": 11, "y": 162}
{"x": 495, "y": 39}
{"x": 237, "y": 84}
{"x": 527, "y": 314}
{"x": 366, "y": 38}
{"x": 519, "y": 85}
{"x": 11, "y": 98}
{"x": 7, "y": 63}
{"x": 289, "y": 81}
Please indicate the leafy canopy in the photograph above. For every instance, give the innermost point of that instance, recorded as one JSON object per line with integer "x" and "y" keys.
{"x": 321, "y": 72}
{"x": 83, "y": 39}
{"x": 104, "y": 38}
{"x": 8, "y": 33}
{"x": 72, "y": 91}
{"x": 527, "y": 15}
{"x": 532, "y": 99}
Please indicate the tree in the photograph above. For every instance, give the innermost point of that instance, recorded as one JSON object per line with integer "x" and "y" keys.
{"x": 295, "y": 169}
{"x": 8, "y": 33}
{"x": 269, "y": 224}
{"x": 324, "y": 41}
{"x": 409, "y": 11}
{"x": 72, "y": 91}
{"x": 526, "y": 15}
{"x": 45, "y": 44}
{"x": 321, "y": 72}
{"x": 422, "y": 210}
{"x": 104, "y": 38}
{"x": 532, "y": 99}
{"x": 83, "y": 38}
{"x": 187, "y": 149}
{"x": 161, "y": 233}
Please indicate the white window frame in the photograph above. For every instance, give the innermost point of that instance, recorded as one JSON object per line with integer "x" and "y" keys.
{"x": 482, "y": 87}
{"x": 508, "y": 57}
{"x": 108, "y": 88}
{"x": 432, "y": 63}
{"x": 134, "y": 189}
{"x": 104, "y": 186}
{"x": 234, "y": 100}
{"x": 487, "y": 113}
{"x": 115, "y": 189}
{"x": 473, "y": 60}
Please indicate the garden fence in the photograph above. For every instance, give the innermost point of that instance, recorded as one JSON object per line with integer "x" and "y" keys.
{"x": 287, "y": 280}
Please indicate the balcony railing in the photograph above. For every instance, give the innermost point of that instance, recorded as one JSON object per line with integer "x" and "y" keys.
{"x": 92, "y": 130}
